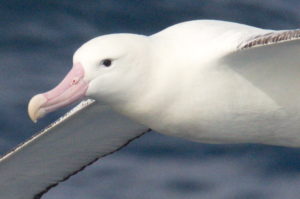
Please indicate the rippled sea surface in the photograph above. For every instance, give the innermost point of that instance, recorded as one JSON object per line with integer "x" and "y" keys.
{"x": 37, "y": 40}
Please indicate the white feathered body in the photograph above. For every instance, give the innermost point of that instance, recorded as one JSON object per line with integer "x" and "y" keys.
{"x": 199, "y": 91}
{"x": 207, "y": 81}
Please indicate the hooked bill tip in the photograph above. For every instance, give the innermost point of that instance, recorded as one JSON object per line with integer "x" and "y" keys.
{"x": 34, "y": 107}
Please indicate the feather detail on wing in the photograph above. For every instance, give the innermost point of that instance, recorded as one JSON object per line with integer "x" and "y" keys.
{"x": 79, "y": 138}
{"x": 271, "y": 63}
{"x": 270, "y": 38}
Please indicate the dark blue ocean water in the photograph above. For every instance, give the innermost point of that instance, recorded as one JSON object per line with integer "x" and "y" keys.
{"x": 37, "y": 40}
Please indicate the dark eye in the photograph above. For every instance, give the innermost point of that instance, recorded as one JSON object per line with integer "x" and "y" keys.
{"x": 107, "y": 62}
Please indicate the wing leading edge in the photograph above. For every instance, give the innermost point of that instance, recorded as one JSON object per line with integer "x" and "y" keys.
{"x": 79, "y": 138}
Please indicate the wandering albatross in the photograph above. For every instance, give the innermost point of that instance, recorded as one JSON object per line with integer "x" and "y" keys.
{"x": 204, "y": 80}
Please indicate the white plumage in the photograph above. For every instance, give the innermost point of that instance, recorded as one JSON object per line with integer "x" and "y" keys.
{"x": 207, "y": 81}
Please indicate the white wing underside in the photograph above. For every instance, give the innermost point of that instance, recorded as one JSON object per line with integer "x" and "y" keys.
{"x": 64, "y": 148}
{"x": 271, "y": 63}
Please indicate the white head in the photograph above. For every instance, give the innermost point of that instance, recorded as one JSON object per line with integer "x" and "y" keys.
{"x": 109, "y": 68}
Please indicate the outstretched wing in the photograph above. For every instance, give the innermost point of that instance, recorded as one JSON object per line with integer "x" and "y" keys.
{"x": 270, "y": 62}
{"x": 79, "y": 138}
